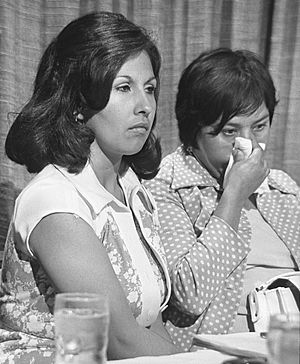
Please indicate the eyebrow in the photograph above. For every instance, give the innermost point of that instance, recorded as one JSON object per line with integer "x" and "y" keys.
{"x": 153, "y": 78}
{"x": 232, "y": 123}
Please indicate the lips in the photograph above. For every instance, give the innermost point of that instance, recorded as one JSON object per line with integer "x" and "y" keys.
{"x": 141, "y": 125}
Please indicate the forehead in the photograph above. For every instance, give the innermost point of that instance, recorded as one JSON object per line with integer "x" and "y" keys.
{"x": 260, "y": 114}
{"x": 136, "y": 64}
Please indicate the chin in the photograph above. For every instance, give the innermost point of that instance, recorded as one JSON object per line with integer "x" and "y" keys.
{"x": 134, "y": 150}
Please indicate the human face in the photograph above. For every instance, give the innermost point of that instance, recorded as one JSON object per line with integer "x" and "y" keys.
{"x": 123, "y": 126}
{"x": 214, "y": 150}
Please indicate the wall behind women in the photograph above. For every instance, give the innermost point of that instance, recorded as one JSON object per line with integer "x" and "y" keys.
{"x": 183, "y": 29}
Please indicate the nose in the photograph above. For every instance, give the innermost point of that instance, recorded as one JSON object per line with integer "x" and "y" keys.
{"x": 143, "y": 104}
{"x": 246, "y": 133}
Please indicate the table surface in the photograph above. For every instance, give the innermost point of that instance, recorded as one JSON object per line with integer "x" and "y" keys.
{"x": 245, "y": 344}
{"x": 197, "y": 357}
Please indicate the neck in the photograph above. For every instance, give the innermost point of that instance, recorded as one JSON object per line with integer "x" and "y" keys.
{"x": 107, "y": 171}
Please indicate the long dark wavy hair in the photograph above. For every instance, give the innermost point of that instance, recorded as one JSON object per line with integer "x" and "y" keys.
{"x": 220, "y": 84}
{"x": 76, "y": 73}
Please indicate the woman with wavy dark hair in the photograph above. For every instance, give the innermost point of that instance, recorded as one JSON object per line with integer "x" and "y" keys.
{"x": 85, "y": 223}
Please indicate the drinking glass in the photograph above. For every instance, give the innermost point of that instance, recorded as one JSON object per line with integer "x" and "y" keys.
{"x": 283, "y": 339}
{"x": 81, "y": 328}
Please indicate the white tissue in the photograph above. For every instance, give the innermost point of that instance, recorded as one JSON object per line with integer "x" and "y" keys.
{"x": 245, "y": 145}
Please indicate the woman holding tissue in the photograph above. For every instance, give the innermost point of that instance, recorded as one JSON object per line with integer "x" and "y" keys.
{"x": 223, "y": 234}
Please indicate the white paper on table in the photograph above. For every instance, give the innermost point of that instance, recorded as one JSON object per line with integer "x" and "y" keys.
{"x": 241, "y": 344}
{"x": 245, "y": 145}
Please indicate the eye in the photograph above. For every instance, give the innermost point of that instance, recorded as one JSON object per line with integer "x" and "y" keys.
{"x": 150, "y": 89}
{"x": 259, "y": 127}
{"x": 123, "y": 88}
{"x": 229, "y": 132}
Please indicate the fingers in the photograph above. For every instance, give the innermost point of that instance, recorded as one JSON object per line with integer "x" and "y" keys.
{"x": 238, "y": 155}
{"x": 258, "y": 157}
{"x": 257, "y": 150}
{"x": 255, "y": 144}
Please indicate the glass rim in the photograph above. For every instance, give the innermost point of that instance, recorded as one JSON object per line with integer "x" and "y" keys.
{"x": 82, "y": 296}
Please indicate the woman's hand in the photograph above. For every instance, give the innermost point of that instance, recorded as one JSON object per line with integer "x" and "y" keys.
{"x": 247, "y": 174}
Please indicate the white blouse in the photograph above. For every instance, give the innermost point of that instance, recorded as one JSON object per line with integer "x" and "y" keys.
{"x": 128, "y": 232}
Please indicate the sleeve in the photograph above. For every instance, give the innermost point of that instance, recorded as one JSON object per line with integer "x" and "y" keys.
{"x": 42, "y": 199}
{"x": 198, "y": 265}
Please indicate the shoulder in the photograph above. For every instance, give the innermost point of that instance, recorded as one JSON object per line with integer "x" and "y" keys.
{"x": 48, "y": 192}
{"x": 280, "y": 180}
{"x": 48, "y": 186}
{"x": 167, "y": 166}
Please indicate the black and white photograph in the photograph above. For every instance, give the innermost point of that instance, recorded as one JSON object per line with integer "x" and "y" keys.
{"x": 149, "y": 181}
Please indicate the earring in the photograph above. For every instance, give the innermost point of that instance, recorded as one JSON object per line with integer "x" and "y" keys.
{"x": 78, "y": 116}
{"x": 189, "y": 149}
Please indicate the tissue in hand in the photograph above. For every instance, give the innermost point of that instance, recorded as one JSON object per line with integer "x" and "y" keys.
{"x": 245, "y": 145}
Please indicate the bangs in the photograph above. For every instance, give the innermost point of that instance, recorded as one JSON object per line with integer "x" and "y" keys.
{"x": 236, "y": 98}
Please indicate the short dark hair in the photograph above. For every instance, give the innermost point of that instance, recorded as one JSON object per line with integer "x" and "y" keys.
{"x": 76, "y": 73}
{"x": 221, "y": 83}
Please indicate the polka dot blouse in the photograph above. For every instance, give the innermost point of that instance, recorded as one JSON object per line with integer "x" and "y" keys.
{"x": 206, "y": 257}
